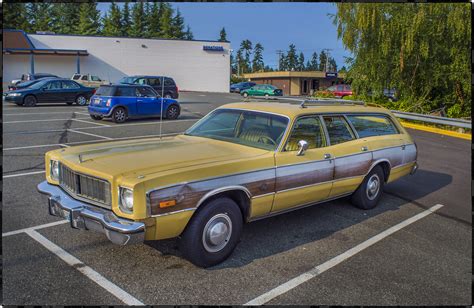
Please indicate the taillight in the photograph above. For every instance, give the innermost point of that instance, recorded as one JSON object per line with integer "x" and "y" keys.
{"x": 109, "y": 101}
{"x": 12, "y": 89}
{"x": 93, "y": 91}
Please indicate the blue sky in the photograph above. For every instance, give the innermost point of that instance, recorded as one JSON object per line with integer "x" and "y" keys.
{"x": 274, "y": 25}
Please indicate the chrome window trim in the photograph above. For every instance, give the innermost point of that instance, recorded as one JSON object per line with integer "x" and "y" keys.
{"x": 222, "y": 189}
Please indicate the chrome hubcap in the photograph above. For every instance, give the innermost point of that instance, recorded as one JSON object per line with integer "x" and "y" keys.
{"x": 81, "y": 100}
{"x": 172, "y": 112}
{"x": 373, "y": 186}
{"x": 217, "y": 232}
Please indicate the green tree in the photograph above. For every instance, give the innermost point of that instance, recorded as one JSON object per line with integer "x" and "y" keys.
{"x": 138, "y": 24}
{"x": 15, "y": 16}
{"x": 154, "y": 21}
{"x": 126, "y": 23}
{"x": 322, "y": 61}
{"x": 332, "y": 65}
{"x": 422, "y": 50}
{"x": 283, "y": 62}
{"x": 291, "y": 58}
{"x": 113, "y": 21}
{"x": 240, "y": 62}
{"x": 166, "y": 13}
{"x": 178, "y": 26}
{"x": 246, "y": 50}
{"x": 89, "y": 19}
{"x": 300, "y": 63}
{"x": 65, "y": 18}
{"x": 188, "y": 35}
{"x": 313, "y": 64}
{"x": 257, "y": 62}
{"x": 39, "y": 17}
{"x": 222, "y": 35}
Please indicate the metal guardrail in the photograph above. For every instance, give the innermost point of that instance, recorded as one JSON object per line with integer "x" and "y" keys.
{"x": 432, "y": 119}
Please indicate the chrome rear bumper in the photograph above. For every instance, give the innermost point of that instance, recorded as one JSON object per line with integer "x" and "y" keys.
{"x": 413, "y": 169}
{"x": 88, "y": 217}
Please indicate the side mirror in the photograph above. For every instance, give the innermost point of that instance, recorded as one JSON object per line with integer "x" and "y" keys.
{"x": 302, "y": 147}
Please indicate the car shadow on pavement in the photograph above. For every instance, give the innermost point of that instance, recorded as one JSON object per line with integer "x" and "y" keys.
{"x": 278, "y": 234}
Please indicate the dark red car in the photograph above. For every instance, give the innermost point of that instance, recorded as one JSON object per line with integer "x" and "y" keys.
{"x": 340, "y": 90}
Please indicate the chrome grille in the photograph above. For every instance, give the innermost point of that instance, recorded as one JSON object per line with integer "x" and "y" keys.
{"x": 85, "y": 187}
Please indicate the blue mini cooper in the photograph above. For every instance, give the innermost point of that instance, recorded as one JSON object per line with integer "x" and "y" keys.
{"x": 121, "y": 102}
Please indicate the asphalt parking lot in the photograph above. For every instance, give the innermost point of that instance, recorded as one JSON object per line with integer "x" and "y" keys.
{"x": 413, "y": 249}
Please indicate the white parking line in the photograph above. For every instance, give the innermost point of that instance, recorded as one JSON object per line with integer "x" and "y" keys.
{"x": 48, "y": 120}
{"x": 83, "y": 113}
{"x": 84, "y": 269}
{"x": 51, "y": 224}
{"x": 89, "y": 122}
{"x": 89, "y": 134}
{"x": 22, "y": 174}
{"x": 83, "y": 142}
{"x": 293, "y": 283}
{"x": 35, "y": 113}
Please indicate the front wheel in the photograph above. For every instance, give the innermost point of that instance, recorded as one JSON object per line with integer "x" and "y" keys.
{"x": 119, "y": 115}
{"x": 368, "y": 194}
{"x": 213, "y": 233}
{"x": 245, "y": 95}
{"x": 81, "y": 100}
{"x": 267, "y": 95}
{"x": 29, "y": 101}
{"x": 172, "y": 112}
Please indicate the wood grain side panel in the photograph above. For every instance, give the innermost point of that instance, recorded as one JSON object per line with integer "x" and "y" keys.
{"x": 289, "y": 177}
{"x": 353, "y": 165}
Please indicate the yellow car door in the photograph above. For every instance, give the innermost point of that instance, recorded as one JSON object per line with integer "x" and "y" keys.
{"x": 303, "y": 176}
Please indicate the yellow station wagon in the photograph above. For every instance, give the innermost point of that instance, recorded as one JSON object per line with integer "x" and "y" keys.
{"x": 241, "y": 162}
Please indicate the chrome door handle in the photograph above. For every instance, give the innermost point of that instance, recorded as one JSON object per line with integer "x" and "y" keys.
{"x": 327, "y": 156}
{"x": 364, "y": 149}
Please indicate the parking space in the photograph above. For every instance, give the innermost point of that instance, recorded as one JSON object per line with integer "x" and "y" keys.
{"x": 332, "y": 253}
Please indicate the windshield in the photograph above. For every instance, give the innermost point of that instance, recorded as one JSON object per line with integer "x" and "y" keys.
{"x": 127, "y": 80}
{"x": 250, "y": 128}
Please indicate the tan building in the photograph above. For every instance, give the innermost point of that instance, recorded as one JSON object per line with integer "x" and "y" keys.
{"x": 297, "y": 83}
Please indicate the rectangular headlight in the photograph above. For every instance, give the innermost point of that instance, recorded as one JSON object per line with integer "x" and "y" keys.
{"x": 126, "y": 199}
{"x": 54, "y": 170}
{"x": 14, "y": 94}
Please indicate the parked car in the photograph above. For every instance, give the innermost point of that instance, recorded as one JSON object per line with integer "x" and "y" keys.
{"x": 170, "y": 89}
{"x": 340, "y": 90}
{"x": 51, "y": 91}
{"x": 241, "y": 162}
{"x": 121, "y": 102}
{"x": 27, "y": 77}
{"x": 266, "y": 90}
{"x": 89, "y": 80}
{"x": 26, "y": 84}
{"x": 237, "y": 87}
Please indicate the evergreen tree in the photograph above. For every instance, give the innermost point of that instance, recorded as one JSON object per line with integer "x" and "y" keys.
{"x": 166, "y": 30}
{"x": 322, "y": 61}
{"x": 178, "y": 26}
{"x": 126, "y": 23}
{"x": 222, "y": 35}
{"x": 240, "y": 62}
{"x": 39, "y": 16}
{"x": 300, "y": 63}
{"x": 257, "y": 62}
{"x": 332, "y": 65}
{"x": 283, "y": 63}
{"x": 15, "y": 16}
{"x": 65, "y": 18}
{"x": 89, "y": 19}
{"x": 246, "y": 48}
{"x": 113, "y": 21}
{"x": 188, "y": 35}
{"x": 154, "y": 21}
{"x": 313, "y": 65}
{"x": 137, "y": 28}
{"x": 146, "y": 20}
{"x": 291, "y": 59}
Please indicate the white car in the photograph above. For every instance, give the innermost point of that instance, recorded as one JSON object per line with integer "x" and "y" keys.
{"x": 89, "y": 80}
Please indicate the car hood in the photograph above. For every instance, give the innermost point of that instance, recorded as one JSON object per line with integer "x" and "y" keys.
{"x": 150, "y": 156}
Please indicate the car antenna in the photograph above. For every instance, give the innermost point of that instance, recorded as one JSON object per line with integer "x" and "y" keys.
{"x": 162, "y": 102}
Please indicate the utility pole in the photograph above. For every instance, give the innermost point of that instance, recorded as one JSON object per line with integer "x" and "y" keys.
{"x": 279, "y": 53}
{"x": 327, "y": 59}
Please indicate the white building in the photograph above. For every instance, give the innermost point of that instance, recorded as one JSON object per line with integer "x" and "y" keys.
{"x": 194, "y": 65}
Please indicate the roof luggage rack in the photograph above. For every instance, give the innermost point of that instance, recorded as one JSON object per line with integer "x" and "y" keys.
{"x": 329, "y": 101}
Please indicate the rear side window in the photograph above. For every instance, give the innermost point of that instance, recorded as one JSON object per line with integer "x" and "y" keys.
{"x": 95, "y": 78}
{"x": 126, "y": 91}
{"x": 372, "y": 125}
{"x": 140, "y": 81}
{"x": 70, "y": 85}
{"x": 169, "y": 82}
{"x": 84, "y": 77}
{"x": 76, "y": 77}
{"x": 338, "y": 129}
{"x": 154, "y": 82}
{"x": 105, "y": 91}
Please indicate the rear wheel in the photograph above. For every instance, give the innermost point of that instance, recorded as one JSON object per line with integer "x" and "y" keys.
{"x": 81, "y": 100}
{"x": 213, "y": 233}
{"x": 172, "y": 112}
{"x": 119, "y": 115}
{"x": 267, "y": 95}
{"x": 245, "y": 94}
{"x": 29, "y": 101}
{"x": 368, "y": 194}
{"x": 96, "y": 117}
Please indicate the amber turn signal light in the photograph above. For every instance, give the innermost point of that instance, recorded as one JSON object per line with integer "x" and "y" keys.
{"x": 167, "y": 203}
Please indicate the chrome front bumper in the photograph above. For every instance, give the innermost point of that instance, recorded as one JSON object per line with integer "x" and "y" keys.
{"x": 88, "y": 217}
